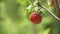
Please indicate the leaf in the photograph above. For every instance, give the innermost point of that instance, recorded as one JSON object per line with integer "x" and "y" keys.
{"x": 27, "y": 15}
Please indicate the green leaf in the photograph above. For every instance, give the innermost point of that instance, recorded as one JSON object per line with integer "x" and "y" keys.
{"x": 27, "y": 15}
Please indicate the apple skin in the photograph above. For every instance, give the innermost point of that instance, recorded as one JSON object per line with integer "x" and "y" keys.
{"x": 35, "y": 18}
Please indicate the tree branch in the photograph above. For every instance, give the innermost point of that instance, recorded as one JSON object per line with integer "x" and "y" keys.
{"x": 39, "y": 4}
{"x": 57, "y": 8}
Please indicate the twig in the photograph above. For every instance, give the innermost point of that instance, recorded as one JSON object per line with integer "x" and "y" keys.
{"x": 49, "y": 12}
{"x": 57, "y": 8}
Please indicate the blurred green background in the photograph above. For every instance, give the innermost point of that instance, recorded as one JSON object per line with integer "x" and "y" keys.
{"x": 13, "y": 18}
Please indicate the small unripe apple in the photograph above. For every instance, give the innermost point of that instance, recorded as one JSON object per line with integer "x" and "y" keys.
{"x": 35, "y": 18}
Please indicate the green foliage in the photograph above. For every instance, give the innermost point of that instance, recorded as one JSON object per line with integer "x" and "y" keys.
{"x": 14, "y": 18}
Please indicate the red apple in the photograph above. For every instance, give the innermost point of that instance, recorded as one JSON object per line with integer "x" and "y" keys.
{"x": 35, "y": 18}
